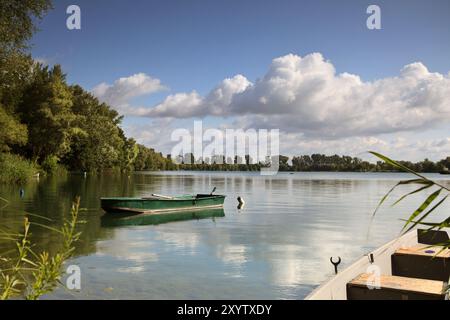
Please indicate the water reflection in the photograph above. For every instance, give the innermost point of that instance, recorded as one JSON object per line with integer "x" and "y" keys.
{"x": 118, "y": 219}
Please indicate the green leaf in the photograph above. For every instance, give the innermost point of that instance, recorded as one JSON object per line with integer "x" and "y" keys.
{"x": 38, "y": 216}
{"x": 412, "y": 192}
{"x": 397, "y": 164}
{"x": 422, "y": 207}
{"x": 46, "y": 227}
{"x": 406, "y": 169}
{"x": 427, "y": 213}
{"x": 404, "y": 182}
{"x": 29, "y": 262}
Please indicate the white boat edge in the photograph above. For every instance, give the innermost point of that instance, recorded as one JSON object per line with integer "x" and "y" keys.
{"x": 336, "y": 287}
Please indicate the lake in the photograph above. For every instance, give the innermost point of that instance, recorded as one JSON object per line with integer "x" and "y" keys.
{"x": 277, "y": 246}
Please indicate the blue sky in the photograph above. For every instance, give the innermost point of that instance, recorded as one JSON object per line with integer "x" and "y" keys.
{"x": 194, "y": 45}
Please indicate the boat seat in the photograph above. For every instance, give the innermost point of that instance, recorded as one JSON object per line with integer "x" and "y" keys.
{"x": 422, "y": 261}
{"x": 432, "y": 237}
{"x": 395, "y": 288}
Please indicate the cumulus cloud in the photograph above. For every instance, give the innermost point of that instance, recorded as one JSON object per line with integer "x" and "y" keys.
{"x": 305, "y": 94}
{"x": 315, "y": 108}
{"x": 187, "y": 105}
{"x": 155, "y": 134}
{"x": 122, "y": 91}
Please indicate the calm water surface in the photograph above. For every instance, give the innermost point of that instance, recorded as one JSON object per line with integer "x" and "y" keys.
{"x": 277, "y": 247}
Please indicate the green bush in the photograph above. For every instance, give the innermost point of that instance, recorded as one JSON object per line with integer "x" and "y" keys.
{"x": 15, "y": 169}
{"x": 50, "y": 164}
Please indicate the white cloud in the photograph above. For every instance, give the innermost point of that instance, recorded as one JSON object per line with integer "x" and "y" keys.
{"x": 155, "y": 134}
{"x": 315, "y": 108}
{"x": 122, "y": 91}
{"x": 184, "y": 105}
{"x": 304, "y": 94}
{"x": 404, "y": 147}
{"x": 432, "y": 149}
{"x": 187, "y": 105}
{"x": 414, "y": 147}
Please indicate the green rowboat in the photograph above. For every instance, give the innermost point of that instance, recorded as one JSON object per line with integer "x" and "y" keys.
{"x": 160, "y": 204}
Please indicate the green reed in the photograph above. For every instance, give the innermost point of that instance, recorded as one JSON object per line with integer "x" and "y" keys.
{"x": 433, "y": 201}
{"x": 30, "y": 274}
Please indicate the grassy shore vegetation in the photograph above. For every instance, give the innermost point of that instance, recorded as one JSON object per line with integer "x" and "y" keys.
{"x": 29, "y": 274}
{"x": 14, "y": 168}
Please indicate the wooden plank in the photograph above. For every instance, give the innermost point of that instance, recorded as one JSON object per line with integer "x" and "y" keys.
{"x": 422, "y": 261}
{"x": 423, "y": 286}
{"x": 424, "y": 250}
{"x": 432, "y": 236}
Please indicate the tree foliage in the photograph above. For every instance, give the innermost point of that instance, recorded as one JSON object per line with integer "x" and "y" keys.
{"x": 18, "y": 21}
{"x": 12, "y": 132}
{"x": 149, "y": 159}
{"x": 53, "y": 122}
{"x": 46, "y": 109}
{"x": 96, "y": 140}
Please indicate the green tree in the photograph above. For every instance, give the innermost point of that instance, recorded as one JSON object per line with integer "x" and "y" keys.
{"x": 46, "y": 110}
{"x": 18, "y": 21}
{"x": 129, "y": 154}
{"x": 98, "y": 142}
{"x": 17, "y": 24}
{"x": 12, "y": 132}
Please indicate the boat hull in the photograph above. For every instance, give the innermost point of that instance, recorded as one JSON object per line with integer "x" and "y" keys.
{"x": 335, "y": 288}
{"x": 381, "y": 262}
{"x": 152, "y": 205}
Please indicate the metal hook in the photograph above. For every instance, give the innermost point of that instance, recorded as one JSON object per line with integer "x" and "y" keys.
{"x": 371, "y": 258}
{"x": 335, "y": 264}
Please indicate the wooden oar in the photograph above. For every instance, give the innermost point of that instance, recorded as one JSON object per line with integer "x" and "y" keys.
{"x": 161, "y": 196}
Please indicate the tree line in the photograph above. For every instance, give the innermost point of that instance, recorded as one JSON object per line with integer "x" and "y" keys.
{"x": 320, "y": 162}
{"x": 308, "y": 163}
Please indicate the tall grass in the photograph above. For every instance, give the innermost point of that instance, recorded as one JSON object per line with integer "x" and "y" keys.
{"x": 30, "y": 274}
{"x": 15, "y": 169}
